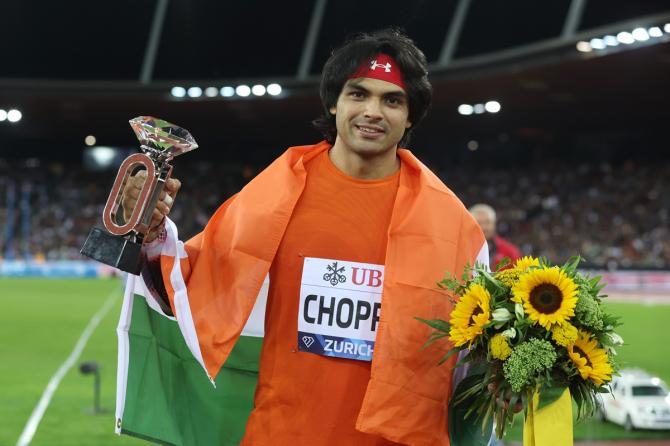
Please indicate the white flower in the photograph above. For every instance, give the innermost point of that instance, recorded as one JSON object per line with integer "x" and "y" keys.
{"x": 518, "y": 310}
{"x": 501, "y": 315}
{"x": 510, "y": 333}
{"x": 615, "y": 338}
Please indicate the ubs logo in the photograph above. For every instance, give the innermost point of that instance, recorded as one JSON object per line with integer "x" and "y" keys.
{"x": 334, "y": 275}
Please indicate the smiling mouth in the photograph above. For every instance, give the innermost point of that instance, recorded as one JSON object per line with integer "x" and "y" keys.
{"x": 370, "y": 130}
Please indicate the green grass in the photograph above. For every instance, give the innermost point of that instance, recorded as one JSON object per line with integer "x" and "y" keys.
{"x": 41, "y": 320}
{"x": 646, "y": 334}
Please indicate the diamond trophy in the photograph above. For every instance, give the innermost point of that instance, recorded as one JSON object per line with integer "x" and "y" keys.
{"x": 121, "y": 246}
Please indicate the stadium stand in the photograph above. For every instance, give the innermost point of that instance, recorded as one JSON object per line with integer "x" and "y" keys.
{"x": 614, "y": 216}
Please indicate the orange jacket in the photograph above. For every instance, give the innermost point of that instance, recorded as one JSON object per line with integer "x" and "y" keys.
{"x": 430, "y": 232}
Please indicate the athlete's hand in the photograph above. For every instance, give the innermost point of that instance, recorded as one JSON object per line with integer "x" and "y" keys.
{"x": 131, "y": 192}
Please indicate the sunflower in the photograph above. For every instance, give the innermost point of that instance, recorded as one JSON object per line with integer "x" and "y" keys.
{"x": 548, "y": 295}
{"x": 522, "y": 264}
{"x": 591, "y": 362}
{"x": 472, "y": 312}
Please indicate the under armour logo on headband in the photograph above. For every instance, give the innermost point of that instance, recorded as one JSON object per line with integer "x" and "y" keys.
{"x": 374, "y": 65}
{"x": 390, "y": 71}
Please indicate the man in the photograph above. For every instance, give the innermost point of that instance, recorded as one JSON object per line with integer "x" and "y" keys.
{"x": 499, "y": 248}
{"x": 353, "y": 234}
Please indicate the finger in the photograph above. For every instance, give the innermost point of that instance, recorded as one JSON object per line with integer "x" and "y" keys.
{"x": 163, "y": 208}
{"x": 132, "y": 192}
{"x": 137, "y": 180}
{"x": 168, "y": 201}
{"x": 156, "y": 218}
{"x": 172, "y": 185}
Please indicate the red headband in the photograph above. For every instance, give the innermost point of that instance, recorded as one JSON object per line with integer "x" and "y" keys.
{"x": 382, "y": 67}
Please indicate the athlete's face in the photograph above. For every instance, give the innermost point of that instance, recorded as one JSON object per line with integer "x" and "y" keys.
{"x": 371, "y": 116}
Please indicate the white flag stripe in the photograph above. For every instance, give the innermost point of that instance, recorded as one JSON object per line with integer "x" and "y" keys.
{"x": 124, "y": 348}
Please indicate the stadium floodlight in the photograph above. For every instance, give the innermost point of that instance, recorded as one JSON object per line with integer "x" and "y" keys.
{"x": 227, "y": 92}
{"x": 473, "y": 145}
{"x": 640, "y": 34}
{"x": 3, "y": 115}
{"x": 211, "y": 92}
{"x": 103, "y": 156}
{"x": 479, "y": 109}
{"x": 90, "y": 140}
{"x": 178, "y": 92}
{"x": 655, "y": 31}
{"x": 258, "y": 90}
{"x": 243, "y": 90}
{"x": 194, "y": 92}
{"x": 492, "y": 106}
{"x": 610, "y": 41}
{"x": 274, "y": 89}
{"x": 465, "y": 109}
{"x": 14, "y": 115}
{"x": 666, "y": 27}
{"x": 597, "y": 44}
{"x": 584, "y": 47}
{"x": 625, "y": 37}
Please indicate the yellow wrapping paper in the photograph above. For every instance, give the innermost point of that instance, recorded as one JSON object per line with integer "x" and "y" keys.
{"x": 551, "y": 425}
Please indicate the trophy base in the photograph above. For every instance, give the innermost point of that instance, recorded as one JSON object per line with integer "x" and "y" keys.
{"x": 113, "y": 250}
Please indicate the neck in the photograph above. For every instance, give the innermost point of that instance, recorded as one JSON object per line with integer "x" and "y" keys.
{"x": 365, "y": 168}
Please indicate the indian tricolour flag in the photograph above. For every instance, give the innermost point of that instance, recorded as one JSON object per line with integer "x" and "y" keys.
{"x": 163, "y": 392}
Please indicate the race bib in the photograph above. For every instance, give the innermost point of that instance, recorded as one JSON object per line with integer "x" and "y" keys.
{"x": 339, "y": 310}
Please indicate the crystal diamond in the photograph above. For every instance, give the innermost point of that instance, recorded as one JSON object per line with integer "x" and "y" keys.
{"x": 162, "y": 135}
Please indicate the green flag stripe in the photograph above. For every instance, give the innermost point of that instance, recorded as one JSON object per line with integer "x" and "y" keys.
{"x": 169, "y": 398}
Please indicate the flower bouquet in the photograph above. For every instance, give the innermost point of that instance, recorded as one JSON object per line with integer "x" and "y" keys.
{"x": 529, "y": 328}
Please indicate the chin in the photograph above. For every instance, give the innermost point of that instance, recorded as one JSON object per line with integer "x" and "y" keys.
{"x": 372, "y": 148}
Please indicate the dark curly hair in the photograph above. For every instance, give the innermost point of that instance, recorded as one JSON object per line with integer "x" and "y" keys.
{"x": 347, "y": 58}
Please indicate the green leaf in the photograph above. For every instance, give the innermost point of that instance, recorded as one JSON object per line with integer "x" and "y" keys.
{"x": 468, "y": 430}
{"x": 448, "y": 355}
{"x": 505, "y": 261}
{"x": 437, "y": 324}
{"x": 434, "y": 337}
{"x": 549, "y": 395}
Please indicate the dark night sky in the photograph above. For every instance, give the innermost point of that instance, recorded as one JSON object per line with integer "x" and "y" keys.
{"x": 213, "y": 39}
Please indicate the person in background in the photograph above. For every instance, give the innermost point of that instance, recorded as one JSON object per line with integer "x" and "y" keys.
{"x": 499, "y": 248}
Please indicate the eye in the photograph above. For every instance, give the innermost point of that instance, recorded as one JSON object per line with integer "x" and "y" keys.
{"x": 356, "y": 94}
{"x": 395, "y": 101}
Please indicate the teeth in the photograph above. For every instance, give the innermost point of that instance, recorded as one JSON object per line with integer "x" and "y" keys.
{"x": 368, "y": 130}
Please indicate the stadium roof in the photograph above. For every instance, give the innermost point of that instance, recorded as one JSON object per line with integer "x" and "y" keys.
{"x": 75, "y": 68}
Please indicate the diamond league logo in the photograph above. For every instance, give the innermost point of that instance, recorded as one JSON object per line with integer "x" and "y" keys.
{"x": 308, "y": 341}
{"x": 334, "y": 275}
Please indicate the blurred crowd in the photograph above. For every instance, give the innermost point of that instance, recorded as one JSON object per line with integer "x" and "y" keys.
{"x": 614, "y": 216}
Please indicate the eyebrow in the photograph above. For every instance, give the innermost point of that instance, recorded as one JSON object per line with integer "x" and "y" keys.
{"x": 354, "y": 85}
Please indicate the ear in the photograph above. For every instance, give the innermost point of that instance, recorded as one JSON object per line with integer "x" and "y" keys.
{"x": 332, "y": 109}
{"x": 408, "y": 124}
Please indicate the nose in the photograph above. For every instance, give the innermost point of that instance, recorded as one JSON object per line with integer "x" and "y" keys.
{"x": 373, "y": 109}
